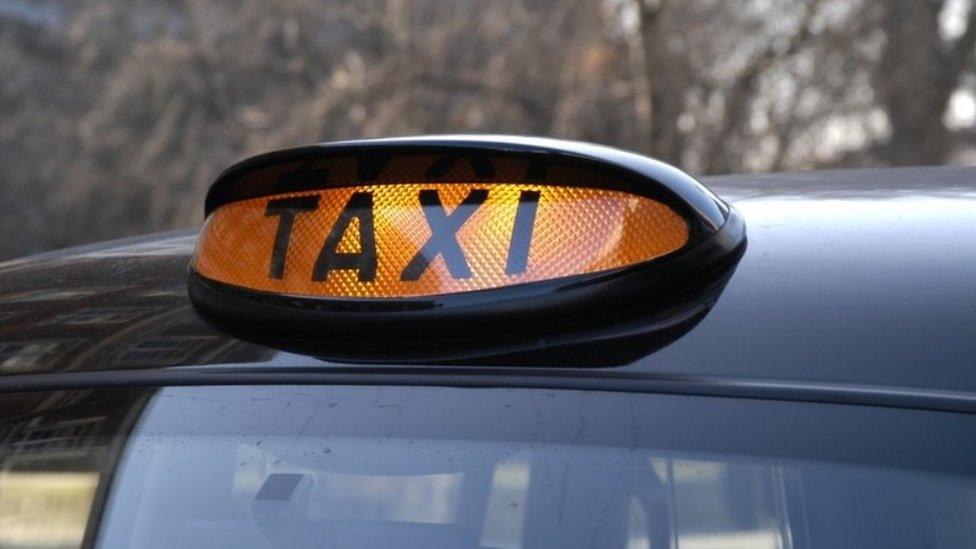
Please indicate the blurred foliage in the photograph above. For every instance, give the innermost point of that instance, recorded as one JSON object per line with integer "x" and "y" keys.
{"x": 117, "y": 114}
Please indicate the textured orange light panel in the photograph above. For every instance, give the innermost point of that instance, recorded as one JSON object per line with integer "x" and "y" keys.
{"x": 575, "y": 231}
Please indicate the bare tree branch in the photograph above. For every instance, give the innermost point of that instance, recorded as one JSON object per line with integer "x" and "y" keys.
{"x": 742, "y": 91}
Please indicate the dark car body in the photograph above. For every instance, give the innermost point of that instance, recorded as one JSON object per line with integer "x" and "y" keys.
{"x": 832, "y": 385}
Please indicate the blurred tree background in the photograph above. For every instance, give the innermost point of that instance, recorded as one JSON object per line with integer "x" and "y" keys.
{"x": 115, "y": 115}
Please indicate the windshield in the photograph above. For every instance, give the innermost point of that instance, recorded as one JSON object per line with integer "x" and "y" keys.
{"x": 422, "y": 467}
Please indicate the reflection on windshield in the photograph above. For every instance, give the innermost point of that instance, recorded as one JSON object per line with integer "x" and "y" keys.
{"x": 45, "y": 509}
{"x": 490, "y": 496}
{"x": 267, "y": 467}
{"x": 359, "y": 467}
{"x": 57, "y": 455}
{"x": 486, "y": 496}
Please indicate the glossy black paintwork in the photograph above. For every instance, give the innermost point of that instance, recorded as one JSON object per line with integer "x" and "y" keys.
{"x": 865, "y": 276}
{"x": 122, "y": 305}
{"x": 861, "y": 276}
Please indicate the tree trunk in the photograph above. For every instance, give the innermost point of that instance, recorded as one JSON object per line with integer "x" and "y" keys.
{"x": 915, "y": 79}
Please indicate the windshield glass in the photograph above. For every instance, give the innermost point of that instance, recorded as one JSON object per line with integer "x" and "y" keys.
{"x": 327, "y": 491}
{"x": 440, "y": 467}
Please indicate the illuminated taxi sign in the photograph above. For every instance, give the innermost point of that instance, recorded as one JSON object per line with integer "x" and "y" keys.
{"x": 465, "y": 233}
{"x": 421, "y": 239}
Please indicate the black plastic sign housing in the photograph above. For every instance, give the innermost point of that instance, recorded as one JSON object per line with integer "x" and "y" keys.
{"x": 681, "y": 284}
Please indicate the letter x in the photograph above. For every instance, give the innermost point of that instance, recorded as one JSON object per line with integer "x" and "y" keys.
{"x": 443, "y": 235}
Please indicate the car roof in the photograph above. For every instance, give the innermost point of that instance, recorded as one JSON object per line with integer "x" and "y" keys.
{"x": 864, "y": 277}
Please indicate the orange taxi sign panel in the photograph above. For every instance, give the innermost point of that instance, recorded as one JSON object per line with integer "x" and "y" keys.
{"x": 425, "y": 239}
